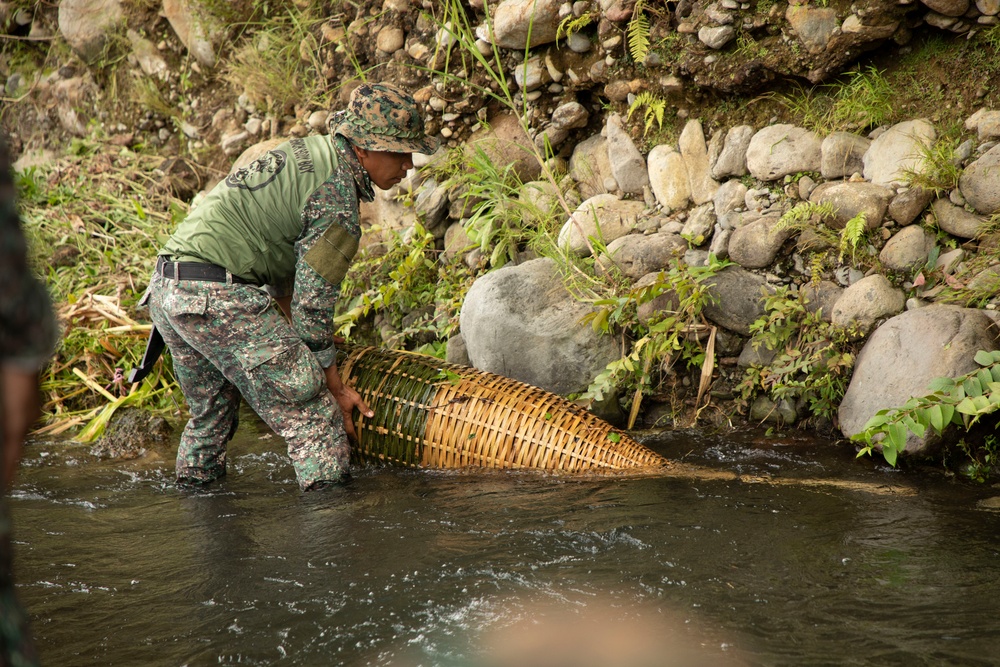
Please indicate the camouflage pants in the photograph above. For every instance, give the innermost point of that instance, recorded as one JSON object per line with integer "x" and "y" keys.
{"x": 227, "y": 340}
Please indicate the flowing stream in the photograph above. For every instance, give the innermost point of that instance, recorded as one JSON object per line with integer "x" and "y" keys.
{"x": 399, "y": 567}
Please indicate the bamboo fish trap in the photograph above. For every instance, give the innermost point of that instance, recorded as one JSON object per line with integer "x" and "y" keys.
{"x": 431, "y": 414}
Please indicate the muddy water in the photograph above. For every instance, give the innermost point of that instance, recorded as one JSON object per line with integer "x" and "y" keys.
{"x": 118, "y": 567}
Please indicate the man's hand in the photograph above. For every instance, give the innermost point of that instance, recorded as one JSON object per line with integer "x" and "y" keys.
{"x": 348, "y": 399}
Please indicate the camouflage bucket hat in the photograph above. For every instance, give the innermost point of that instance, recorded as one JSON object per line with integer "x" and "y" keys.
{"x": 381, "y": 117}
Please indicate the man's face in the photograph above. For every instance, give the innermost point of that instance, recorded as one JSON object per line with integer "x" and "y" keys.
{"x": 384, "y": 168}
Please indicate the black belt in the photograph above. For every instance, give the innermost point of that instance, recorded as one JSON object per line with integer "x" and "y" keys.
{"x": 197, "y": 271}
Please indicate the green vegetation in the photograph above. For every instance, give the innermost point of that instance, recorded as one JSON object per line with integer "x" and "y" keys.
{"x": 813, "y": 359}
{"x": 654, "y": 108}
{"x": 638, "y": 32}
{"x": 864, "y": 99}
{"x": 673, "y": 338}
{"x": 959, "y": 402}
{"x": 97, "y": 232}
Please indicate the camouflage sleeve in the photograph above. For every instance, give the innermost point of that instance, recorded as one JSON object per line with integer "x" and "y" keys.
{"x": 27, "y": 324}
{"x": 331, "y": 231}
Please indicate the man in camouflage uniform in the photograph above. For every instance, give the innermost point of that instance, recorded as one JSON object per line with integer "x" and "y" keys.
{"x": 290, "y": 221}
{"x": 27, "y": 337}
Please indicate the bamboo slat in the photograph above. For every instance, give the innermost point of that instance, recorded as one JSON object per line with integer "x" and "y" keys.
{"x": 431, "y": 414}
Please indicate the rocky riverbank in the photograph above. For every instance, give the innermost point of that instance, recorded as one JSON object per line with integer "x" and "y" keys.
{"x": 840, "y": 239}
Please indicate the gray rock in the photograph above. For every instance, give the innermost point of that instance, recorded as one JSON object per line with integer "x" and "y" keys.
{"x": 867, "y": 301}
{"x": 732, "y": 161}
{"x": 768, "y": 411}
{"x": 520, "y": 322}
{"x": 716, "y": 37}
{"x": 637, "y": 254}
{"x": 985, "y": 122}
{"x": 905, "y": 354}
{"x": 570, "y": 115}
{"x": 980, "y": 182}
{"x": 815, "y": 26}
{"x": 531, "y": 74}
{"x": 755, "y": 245}
{"x": 603, "y": 217}
{"x": 729, "y": 197}
{"x": 86, "y": 25}
{"x": 195, "y": 28}
{"x": 843, "y": 155}
{"x": 515, "y": 19}
{"x": 956, "y": 220}
{"x": 948, "y": 7}
{"x": 457, "y": 241}
{"x": 737, "y": 299}
{"x": 668, "y": 178}
{"x": 589, "y": 166}
{"x": 148, "y": 56}
{"x": 822, "y": 298}
{"x": 390, "y": 40}
{"x": 850, "y": 199}
{"x": 694, "y": 150}
{"x": 779, "y": 150}
{"x": 897, "y": 151}
{"x": 627, "y": 164}
{"x": 698, "y": 226}
{"x": 907, "y": 249}
{"x": 908, "y": 204}
{"x": 431, "y": 203}
{"x": 721, "y": 236}
{"x": 456, "y": 352}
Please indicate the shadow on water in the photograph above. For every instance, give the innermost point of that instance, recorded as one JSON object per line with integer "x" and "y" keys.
{"x": 398, "y": 567}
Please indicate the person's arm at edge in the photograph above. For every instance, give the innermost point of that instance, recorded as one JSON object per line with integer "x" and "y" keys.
{"x": 19, "y": 394}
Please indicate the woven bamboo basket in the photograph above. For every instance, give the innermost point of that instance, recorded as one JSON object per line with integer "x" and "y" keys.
{"x": 431, "y": 414}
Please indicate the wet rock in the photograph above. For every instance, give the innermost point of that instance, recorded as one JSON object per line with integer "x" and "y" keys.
{"x": 131, "y": 434}
{"x": 766, "y": 410}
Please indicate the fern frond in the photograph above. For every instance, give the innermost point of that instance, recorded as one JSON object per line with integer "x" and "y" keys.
{"x": 638, "y": 34}
{"x": 655, "y": 109}
{"x": 572, "y": 24}
{"x": 854, "y": 232}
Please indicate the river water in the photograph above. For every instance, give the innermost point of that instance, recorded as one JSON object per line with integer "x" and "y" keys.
{"x": 401, "y": 567}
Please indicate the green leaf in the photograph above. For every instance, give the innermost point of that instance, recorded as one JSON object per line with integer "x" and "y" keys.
{"x": 941, "y": 384}
{"x": 966, "y": 406}
{"x": 947, "y": 413}
{"x": 936, "y": 415}
{"x": 890, "y": 455}
{"x": 972, "y": 387}
{"x": 984, "y": 358}
{"x": 614, "y": 437}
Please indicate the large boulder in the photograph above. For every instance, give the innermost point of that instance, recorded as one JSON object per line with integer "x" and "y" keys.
{"x": 520, "y": 322}
{"x": 516, "y": 20}
{"x": 602, "y": 217}
{"x": 779, "y": 150}
{"x": 850, "y": 199}
{"x": 905, "y": 354}
{"x": 736, "y": 299}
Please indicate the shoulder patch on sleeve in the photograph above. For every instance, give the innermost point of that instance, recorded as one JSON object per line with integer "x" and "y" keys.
{"x": 331, "y": 256}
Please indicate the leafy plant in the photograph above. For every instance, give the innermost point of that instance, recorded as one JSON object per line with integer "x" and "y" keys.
{"x": 960, "y": 401}
{"x": 655, "y": 107}
{"x": 401, "y": 276}
{"x": 670, "y": 338}
{"x": 813, "y": 358}
{"x": 939, "y": 168}
{"x": 573, "y": 24}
